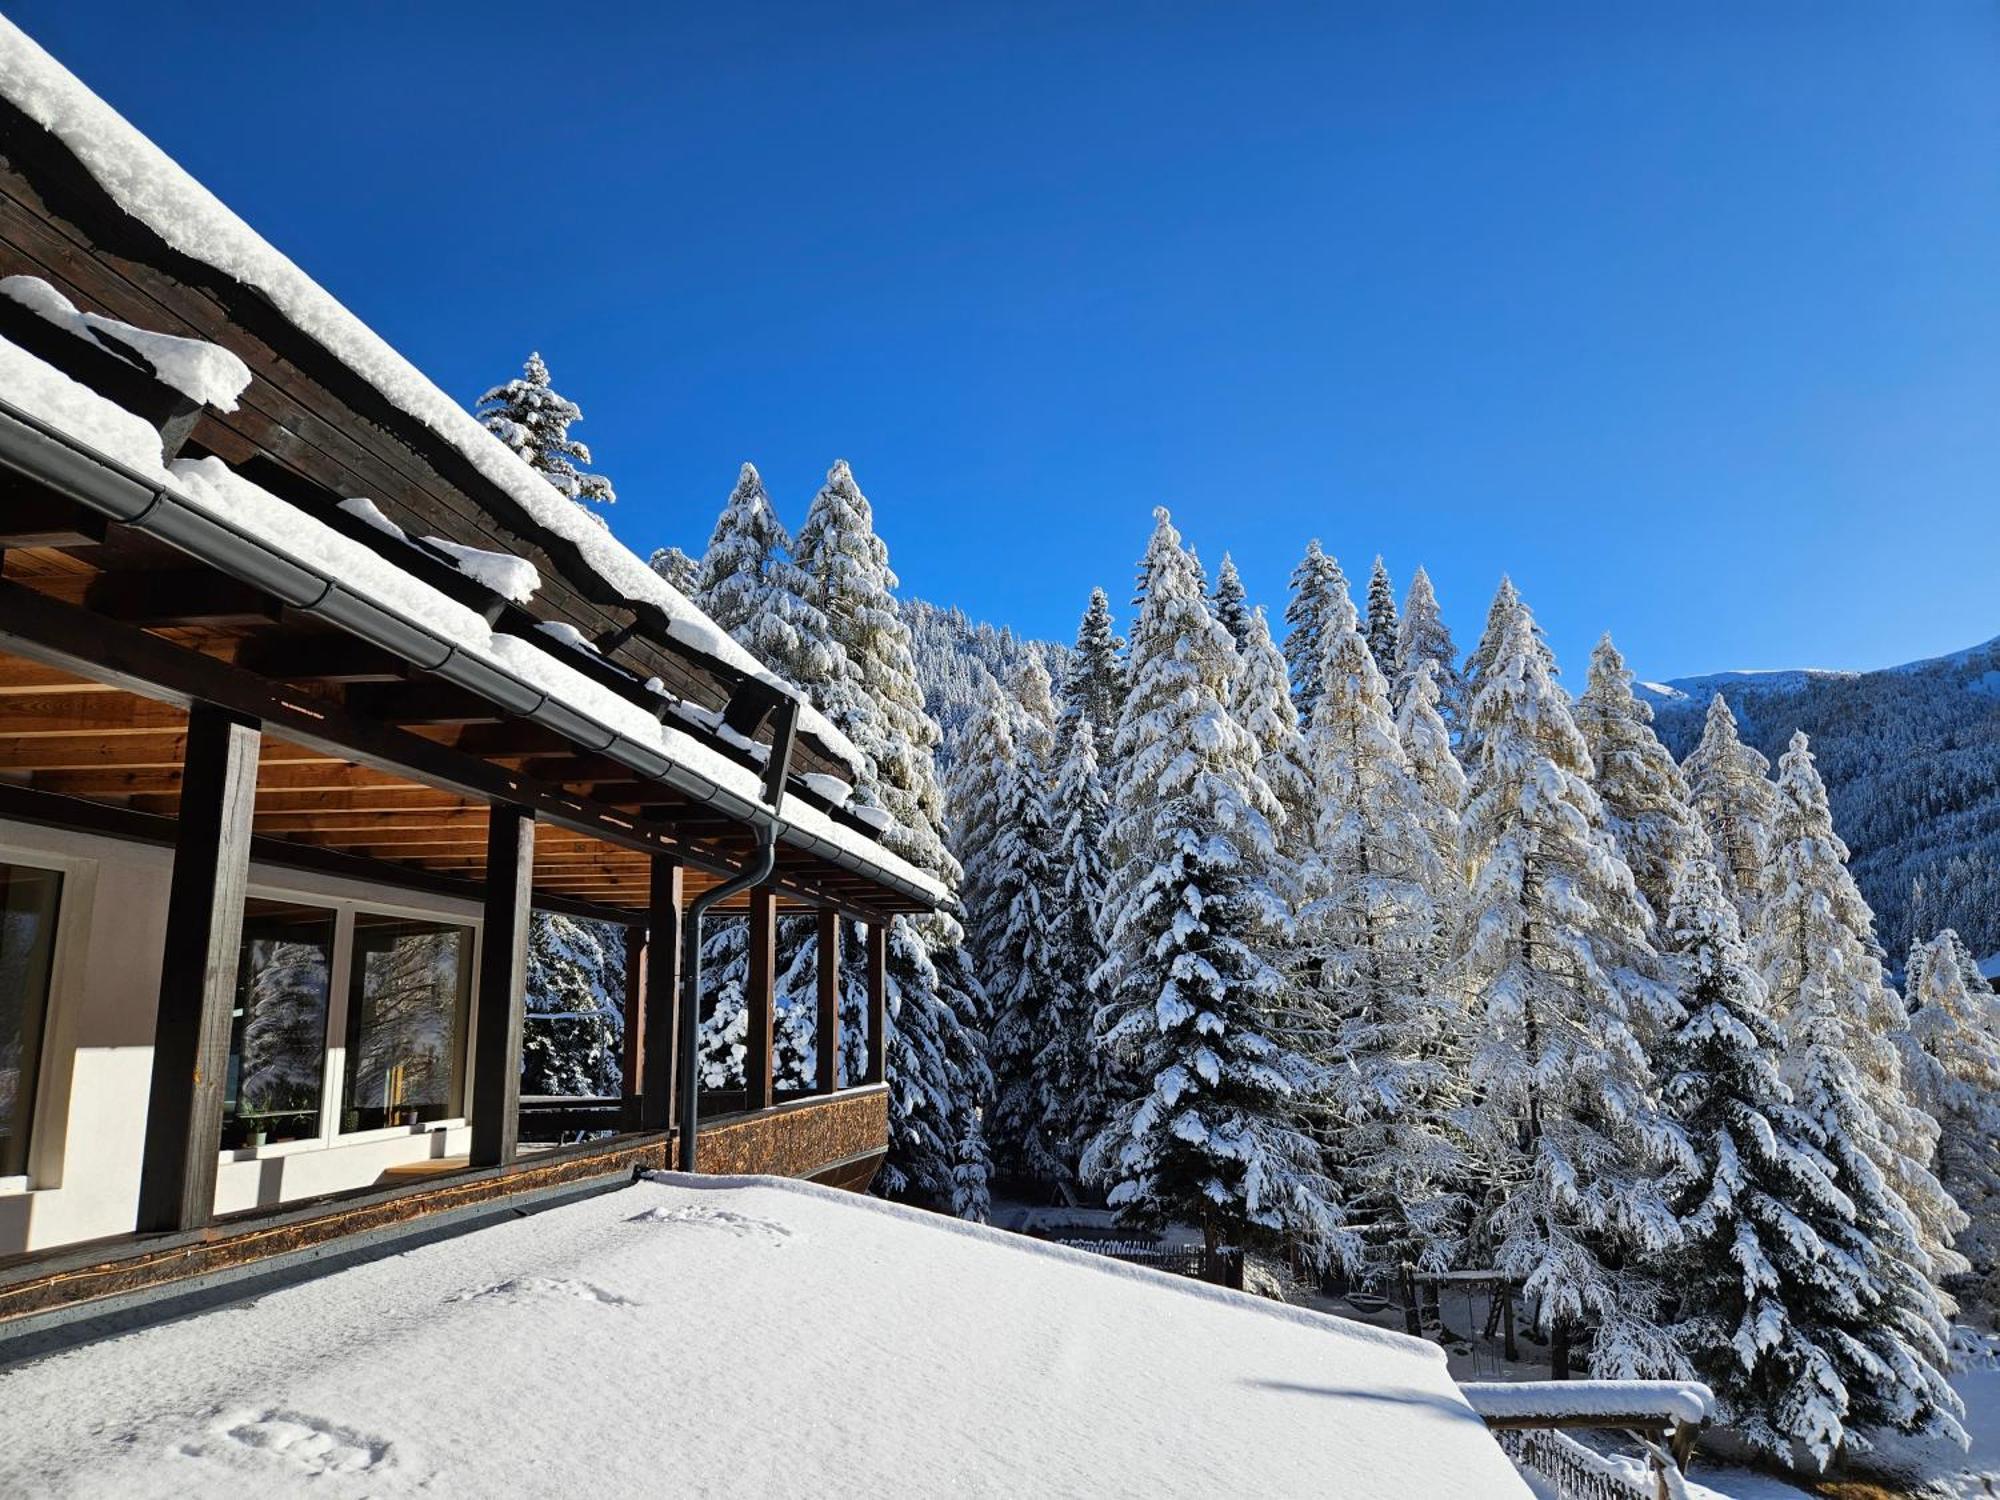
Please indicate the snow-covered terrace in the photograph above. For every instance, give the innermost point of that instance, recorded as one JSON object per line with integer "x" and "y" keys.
{"x": 754, "y": 1337}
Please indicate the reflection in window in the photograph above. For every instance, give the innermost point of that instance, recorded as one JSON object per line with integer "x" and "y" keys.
{"x": 28, "y": 900}
{"x": 277, "y": 1041}
{"x": 408, "y": 996}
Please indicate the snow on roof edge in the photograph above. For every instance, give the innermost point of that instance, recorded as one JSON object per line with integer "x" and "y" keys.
{"x": 148, "y": 184}
{"x": 1248, "y": 1302}
{"x": 210, "y": 486}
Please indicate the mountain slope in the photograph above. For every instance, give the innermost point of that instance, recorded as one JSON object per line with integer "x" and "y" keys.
{"x": 1911, "y": 756}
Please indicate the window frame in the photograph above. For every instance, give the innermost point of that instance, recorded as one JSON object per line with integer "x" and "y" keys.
{"x": 49, "y": 1103}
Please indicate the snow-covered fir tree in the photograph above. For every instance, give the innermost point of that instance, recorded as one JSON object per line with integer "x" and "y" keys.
{"x": 1213, "y": 1138}
{"x": 1817, "y": 954}
{"x": 674, "y": 565}
{"x": 573, "y": 1035}
{"x": 1563, "y": 984}
{"x": 1315, "y": 581}
{"x": 1385, "y": 632}
{"x": 1646, "y": 800}
{"x": 938, "y": 1075}
{"x": 1951, "y": 1053}
{"x": 1727, "y": 782}
{"x": 284, "y": 1027}
{"x": 977, "y": 796}
{"x": 1262, "y": 702}
{"x": 1767, "y": 1270}
{"x": 1375, "y": 935}
{"x": 1232, "y": 605}
{"x": 1422, "y": 636}
{"x": 1033, "y": 693}
{"x": 1427, "y": 747}
{"x": 532, "y": 419}
{"x": 1500, "y": 615}
{"x": 1076, "y": 1087}
{"x": 1096, "y": 684}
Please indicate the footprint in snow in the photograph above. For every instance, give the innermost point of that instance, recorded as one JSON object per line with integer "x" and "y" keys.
{"x": 305, "y": 1444}
{"x": 743, "y": 1226}
{"x": 535, "y": 1288}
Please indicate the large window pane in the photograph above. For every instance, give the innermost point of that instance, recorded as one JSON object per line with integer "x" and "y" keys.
{"x": 28, "y": 902}
{"x": 408, "y": 997}
{"x": 277, "y": 1041}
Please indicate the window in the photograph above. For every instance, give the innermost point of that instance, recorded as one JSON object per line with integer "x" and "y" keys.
{"x": 408, "y": 994}
{"x": 28, "y": 902}
{"x": 277, "y": 1039}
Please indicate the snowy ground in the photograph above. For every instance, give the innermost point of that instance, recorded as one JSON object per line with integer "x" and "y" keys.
{"x": 747, "y": 1336}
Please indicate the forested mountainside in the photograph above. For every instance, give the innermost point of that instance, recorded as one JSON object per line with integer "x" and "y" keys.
{"x": 954, "y": 655}
{"x": 1911, "y": 757}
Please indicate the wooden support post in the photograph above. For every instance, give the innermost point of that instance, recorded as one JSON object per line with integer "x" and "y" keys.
{"x": 503, "y": 984}
{"x": 826, "y": 1036}
{"x": 1508, "y": 1347}
{"x": 632, "y": 1057}
{"x": 760, "y": 995}
{"x": 198, "y": 971}
{"x": 878, "y": 1002}
{"x": 659, "y": 1074}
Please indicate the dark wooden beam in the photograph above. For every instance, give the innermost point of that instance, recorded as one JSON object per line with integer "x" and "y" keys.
{"x": 198, "y": 972}
{"x": 878, "y": 1003}
{"x": 29, "y": 521}
{"x": 760, "y": 994}
{"x": 297, "y": 657}
{"x": 826, "y": 1037}
{"x": 422, "y": 703}
{"x": 503, "y": 986}
{"x": 660, "y": 1066}
{"x": 179, "y": 597}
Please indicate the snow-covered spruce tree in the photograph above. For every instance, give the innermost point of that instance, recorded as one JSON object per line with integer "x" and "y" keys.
{"x": 937, "y": 1068}
{"x": 1385, "y": 632}
{"x": 1071, "y": 1075}
{"x": 1499, "y": 621}
{"x": 1033, "y": 692}
{"x": 1262, "y": 702}
{"x": 1767, "y": 1270}
{"x": 1562, "y": 983}
{"x": 1214, "y": 1136}
{"x": 1096, "y": 683}
{"x": 1817, "y": 954}
{"x": 976, "y": 798}
{"x": 674, "y": 565}
{"x": 1423, "y": 637}
{"x": 284, "y": 1028}
{"x": 1645, "y": 798}
{"x": 1951, "y": 1054}
{"x": 1314, "y": 582}
{"x": 1729, "y": 786}
{"x": 531, "y": 418}
{"x": 1427, "y": 748}
{"x": 573, "y": 1038}
{"x": 1232, "y": 606}
{"x": 750, "y": 587}
{"x": 1375, "y": 935}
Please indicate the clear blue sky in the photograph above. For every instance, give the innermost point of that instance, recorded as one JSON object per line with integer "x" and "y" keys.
{"x": 1686, "y": 315}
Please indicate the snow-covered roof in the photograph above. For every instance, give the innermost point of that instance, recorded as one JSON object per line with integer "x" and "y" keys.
{"x": 209, "y": 485}
{"x": 749, "y": 1336}
{"x": 154, "y": 189}
{"x": 1612, "y": 1400}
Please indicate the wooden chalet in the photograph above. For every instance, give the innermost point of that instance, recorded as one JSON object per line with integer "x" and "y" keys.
{"x": 291, "y": 744}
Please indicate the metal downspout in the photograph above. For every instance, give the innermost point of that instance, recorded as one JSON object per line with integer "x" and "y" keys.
{"x": 776, "y": 769}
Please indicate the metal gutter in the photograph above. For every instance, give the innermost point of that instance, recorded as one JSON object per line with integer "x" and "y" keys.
{"x": 48, "y": 456}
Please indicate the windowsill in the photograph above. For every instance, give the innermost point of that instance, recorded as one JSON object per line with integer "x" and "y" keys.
{"x": 14, "y": 1186}
{"x": 395, "y": 1132}
{"x": 318, "y": 1143}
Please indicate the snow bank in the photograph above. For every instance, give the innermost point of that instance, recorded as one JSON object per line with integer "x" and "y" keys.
{"x": 1681, "y": 1400}
{"x": 199, "y": 370}
{"x": 150, "y": 186}
{"x": 748, "y": 1336}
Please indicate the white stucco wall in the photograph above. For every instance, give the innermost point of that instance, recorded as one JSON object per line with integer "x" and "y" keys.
{"x": 89, "y": 1124}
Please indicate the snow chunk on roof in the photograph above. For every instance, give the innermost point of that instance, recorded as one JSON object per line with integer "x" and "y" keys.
{"x": 749, "y": 1336}
{"x": 367, "y": 510}
{"x": 152, "y": 187}
{"x": 199, "y": 370}
{"x": 508, "y": 576}
{"x": 70, "y": 407}
{"x": 832, "y": 788}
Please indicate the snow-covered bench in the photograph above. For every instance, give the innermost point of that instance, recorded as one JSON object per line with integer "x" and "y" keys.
{"x": 1666, "y": 1416}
